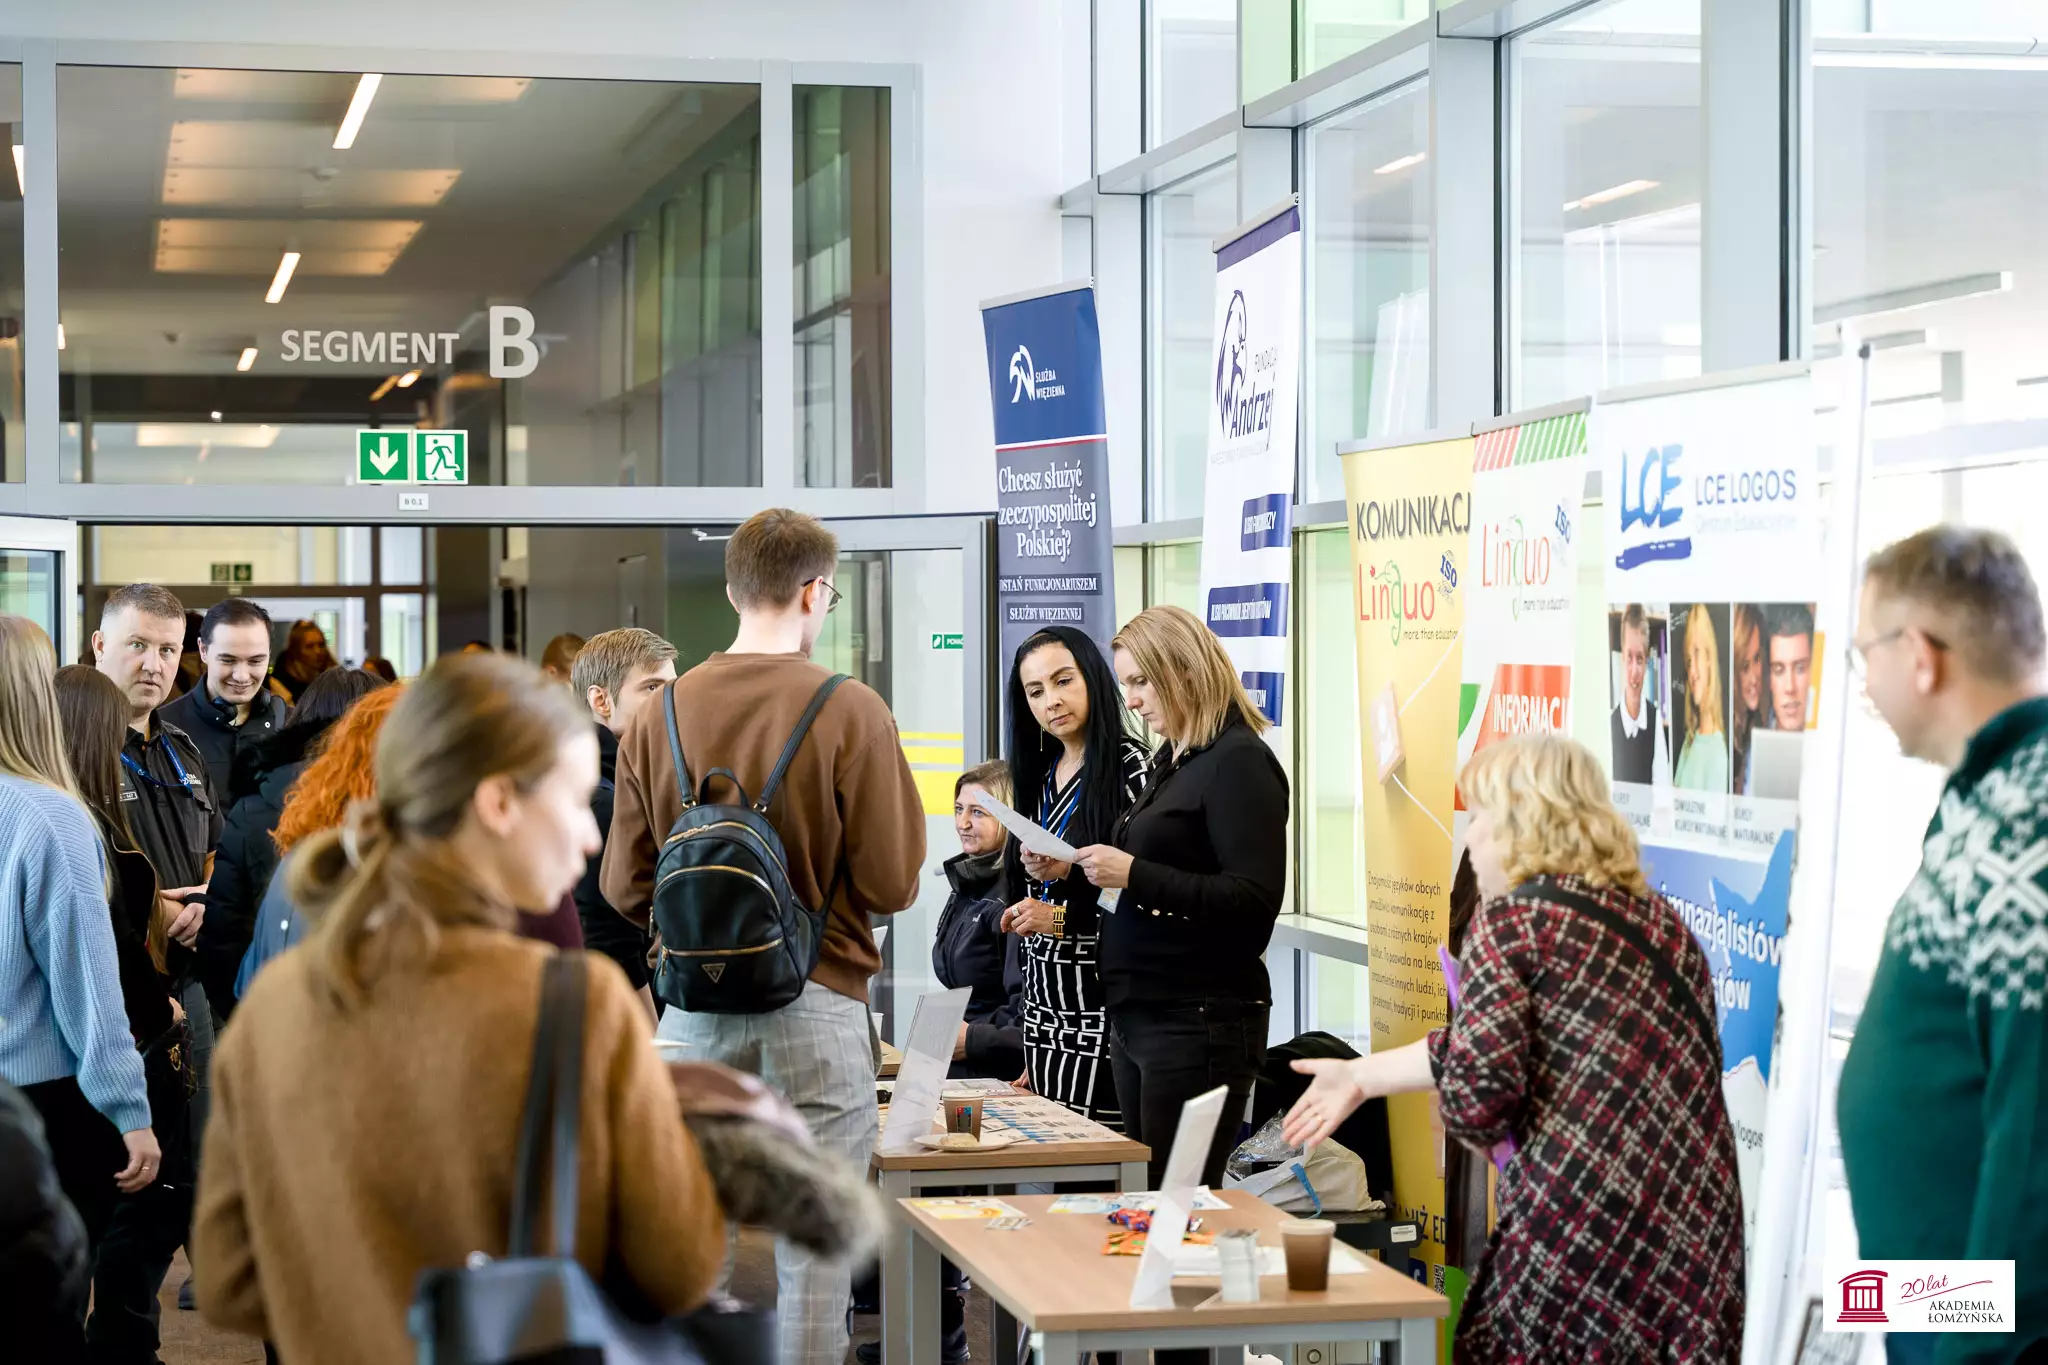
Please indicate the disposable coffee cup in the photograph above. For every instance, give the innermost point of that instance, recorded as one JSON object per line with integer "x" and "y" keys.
{"x": 1307, "y": 1244}
{"x": 963, "y": 1114}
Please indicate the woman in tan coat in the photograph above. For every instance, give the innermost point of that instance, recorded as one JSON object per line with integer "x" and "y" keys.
{"x": 366, "y": 1099}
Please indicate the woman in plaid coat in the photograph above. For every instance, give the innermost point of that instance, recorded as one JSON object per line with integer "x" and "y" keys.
{"x": 1586, "y": 1039}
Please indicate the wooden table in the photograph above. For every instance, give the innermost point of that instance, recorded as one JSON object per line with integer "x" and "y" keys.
{"x": 1053, "y": 1278}
{"x": 1057, "y": 1146}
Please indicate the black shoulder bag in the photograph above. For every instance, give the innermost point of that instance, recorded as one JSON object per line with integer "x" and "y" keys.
{"x": 534, "y": 1309}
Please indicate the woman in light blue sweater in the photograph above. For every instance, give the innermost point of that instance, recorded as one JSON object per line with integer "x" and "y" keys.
{"x": 64, "y": 1037}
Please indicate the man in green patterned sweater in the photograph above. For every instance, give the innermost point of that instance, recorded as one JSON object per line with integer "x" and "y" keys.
{"x": 1944, "y": 1133}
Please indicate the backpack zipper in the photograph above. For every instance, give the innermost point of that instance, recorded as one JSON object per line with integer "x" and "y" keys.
{"x": 715, "y": 867}
{"x": 719, "y": 952}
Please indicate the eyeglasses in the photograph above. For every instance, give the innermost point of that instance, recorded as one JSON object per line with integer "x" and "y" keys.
{"x": 837, "y": 596}
{"x": 1859, "y": 650}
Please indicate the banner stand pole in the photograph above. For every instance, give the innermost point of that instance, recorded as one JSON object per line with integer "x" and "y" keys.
{"x": 1790, "y": 1223}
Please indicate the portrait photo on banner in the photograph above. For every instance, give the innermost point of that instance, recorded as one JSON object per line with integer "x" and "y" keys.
{"x": 1638, "y": 640}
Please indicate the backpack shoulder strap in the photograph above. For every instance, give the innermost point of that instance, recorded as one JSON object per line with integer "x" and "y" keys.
{"x": 553, "y": 1098}
{"x": 796, "y": 738}
{"x": 675, "y": 749}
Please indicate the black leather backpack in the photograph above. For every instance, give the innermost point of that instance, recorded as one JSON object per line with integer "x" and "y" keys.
{"x": 734, "y": 938}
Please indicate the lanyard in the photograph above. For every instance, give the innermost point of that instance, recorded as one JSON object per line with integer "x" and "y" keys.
{"x": 184, "y": 782}
{"x": 1046, "y": 804}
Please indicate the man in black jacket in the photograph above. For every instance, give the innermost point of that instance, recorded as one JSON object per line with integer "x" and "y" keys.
{"x": 615, "y": 673}
{"x": 232, "y": 709}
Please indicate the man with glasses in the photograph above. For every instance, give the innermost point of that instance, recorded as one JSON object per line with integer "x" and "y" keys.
{"x": 852, "y": 824}
{"x": 176, "y": 819}
{"x": 1944, "y": 1135}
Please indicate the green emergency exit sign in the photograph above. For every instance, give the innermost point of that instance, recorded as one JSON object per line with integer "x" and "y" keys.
{"x": 383, "y": 457}
{"x": 949, "y": 641}
{"x": 407, "y": 456}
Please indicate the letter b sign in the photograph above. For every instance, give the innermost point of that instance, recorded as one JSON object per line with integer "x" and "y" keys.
{"x": 513, "y": 354}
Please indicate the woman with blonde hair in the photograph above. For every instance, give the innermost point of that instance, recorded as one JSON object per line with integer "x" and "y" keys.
{"x": 1703, "y": 762}
{"x": 367, "y": 1099}
{"x": 1586, "y": 1035}
{"x": 1199, "y": 863}
{"x": 66, "y": 1042}
{"x": 1748, "y": 698}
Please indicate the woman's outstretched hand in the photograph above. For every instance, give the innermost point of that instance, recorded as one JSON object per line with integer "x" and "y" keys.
{"x": 1331, "y": 1098}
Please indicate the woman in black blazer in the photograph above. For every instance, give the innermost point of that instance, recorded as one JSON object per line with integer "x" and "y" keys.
{"x": 1200, "y": 865}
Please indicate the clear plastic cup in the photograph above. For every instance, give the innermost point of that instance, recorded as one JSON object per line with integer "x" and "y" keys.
{"x": 1237, "y": 1252}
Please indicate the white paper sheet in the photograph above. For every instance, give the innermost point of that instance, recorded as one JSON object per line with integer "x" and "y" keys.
{"x": 1191, "y": 1262}
{"x": 1035, "y": 838}
{"x": 1153, "y": 1287}
{"x": 927, "y": 1055}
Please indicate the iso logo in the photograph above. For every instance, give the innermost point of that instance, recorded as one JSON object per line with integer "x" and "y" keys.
{"x": 1449, "y": 571}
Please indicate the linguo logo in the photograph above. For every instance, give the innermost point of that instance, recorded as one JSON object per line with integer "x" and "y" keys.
{"x": 1029, "y": 384}
{"x": 1921, "y": 1296}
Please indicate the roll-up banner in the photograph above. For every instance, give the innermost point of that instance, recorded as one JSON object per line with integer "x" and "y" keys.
{"x": 1411, "y": 521}
{"x": 1054, "y": 536}
{"x": 1247, "y": 523}
{"x": 1528, "y": 484}
{"x": 1712, "y": 532}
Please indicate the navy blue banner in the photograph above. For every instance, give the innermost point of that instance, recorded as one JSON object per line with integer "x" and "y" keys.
{"x": 1268, "y": 692}
{"x": 1266, "y": 523}
{"x": 1054, "y": 539}
{"x": 1248, "y": 609}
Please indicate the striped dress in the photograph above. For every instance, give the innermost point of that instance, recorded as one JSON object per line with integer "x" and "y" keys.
{"x": 1066, "y": 1041}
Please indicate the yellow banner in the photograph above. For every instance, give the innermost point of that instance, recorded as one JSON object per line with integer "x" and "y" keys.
{"x": 1411, "y": 511}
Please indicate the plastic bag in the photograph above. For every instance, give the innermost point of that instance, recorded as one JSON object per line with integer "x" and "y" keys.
{"x": 1330, "y": 1179}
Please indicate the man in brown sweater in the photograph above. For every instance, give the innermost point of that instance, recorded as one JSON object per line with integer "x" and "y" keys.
{"x": 850, "y": 820}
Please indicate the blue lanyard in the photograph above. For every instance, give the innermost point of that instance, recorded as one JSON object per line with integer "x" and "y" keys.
{"x": 1046, "y": 802}
{"x": 184, "y": 782}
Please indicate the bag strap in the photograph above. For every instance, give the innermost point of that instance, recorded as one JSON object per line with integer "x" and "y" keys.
{"x": 554, "y": 1097}
{"x": 675, "y": 750}
{"x": 796, "y": 739}
{"x": 1546, "y": 889}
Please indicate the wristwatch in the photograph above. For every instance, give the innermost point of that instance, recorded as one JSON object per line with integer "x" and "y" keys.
{"x": 1059, "y": 921}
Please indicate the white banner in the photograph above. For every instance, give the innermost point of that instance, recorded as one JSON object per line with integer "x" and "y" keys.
{"x": 1247, "y": 531}
{"x": 1712, "y": 536}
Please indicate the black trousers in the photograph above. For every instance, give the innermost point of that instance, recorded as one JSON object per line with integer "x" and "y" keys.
{"x": 88, "y": 1153}
{"x": 1166, "y": 1053}
{"x": 145, "y": 1232}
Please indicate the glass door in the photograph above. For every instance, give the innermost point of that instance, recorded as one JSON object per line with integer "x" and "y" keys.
{"x": 39, "y": 574}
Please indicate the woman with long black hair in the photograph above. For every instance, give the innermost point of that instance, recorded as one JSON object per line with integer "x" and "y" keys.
{"x": 1074, "y": 768}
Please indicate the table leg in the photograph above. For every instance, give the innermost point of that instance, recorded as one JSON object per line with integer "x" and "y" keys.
{"x": 1417, "y": 1344}
{"x": 924, "y": 1302}
{"x": 1002, "y": 1334}
{"x": 1056, "y": 1348}
{"x": 895, "y": 1271}
{"x": 1132, "y": 1176}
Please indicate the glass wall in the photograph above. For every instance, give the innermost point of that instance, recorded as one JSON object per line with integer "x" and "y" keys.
{"x": 1605, "y": 177}
{"x": 1183, "y": 223}
{"x": 13, "y": 185}
{"x": 30, "y": 586}
{"x": 841, "y": 285}
{"x": 256, "y": 263}
{"x": 1331, "y": 799}
{"x": 1367, "y": 292}
{"x": 1190, "y": 65}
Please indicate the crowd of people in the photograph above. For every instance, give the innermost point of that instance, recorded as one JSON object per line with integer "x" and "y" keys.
{"x": 273, "y": 937}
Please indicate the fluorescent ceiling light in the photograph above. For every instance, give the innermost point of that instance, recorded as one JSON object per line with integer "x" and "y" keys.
{"x": 248, "y": 358}
{"x": 1400, "y": 163}
{"x": 358, "y": 110}
{"x": 1610, "y": 194}
{"x": 408, "y": 379}
{"x": 20, "y": 173}
{"x": 378, "y": 393}
{"x": 285, "y": 267}
{"x": 60, "y": 336}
